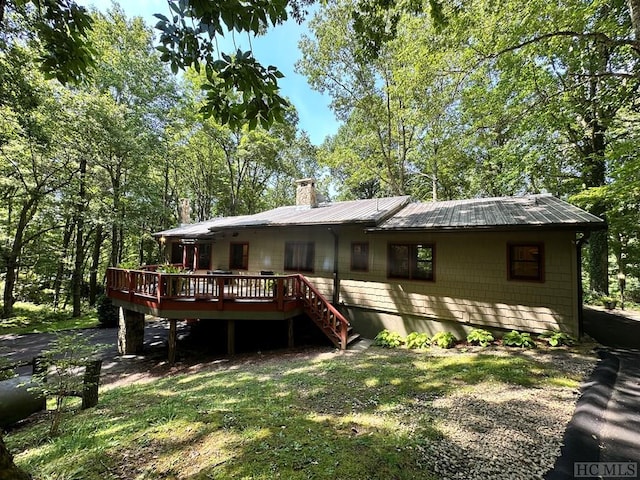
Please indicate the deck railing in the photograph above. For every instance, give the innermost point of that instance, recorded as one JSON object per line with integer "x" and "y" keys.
{"x": 163, "y": 286}
{"x": 327, "y": 317}
{"x": 146, "y": 286}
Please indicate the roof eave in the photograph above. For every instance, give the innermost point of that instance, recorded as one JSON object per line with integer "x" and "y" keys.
{"x": 577, "y": 227}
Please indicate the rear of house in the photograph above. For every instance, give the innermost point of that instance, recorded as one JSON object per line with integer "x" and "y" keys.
{"x": 504, "y": 263}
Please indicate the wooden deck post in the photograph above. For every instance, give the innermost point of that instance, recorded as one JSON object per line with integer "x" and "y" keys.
{"x": 290, "y": 331}
{"x": 173, "y": 340}
{"x": 220, "y": 282}
{"x": 90, "y": 384}
{"x": 280, "y": 293}
{"x": 231, "y": 337}
{"x": 130, "y": 332}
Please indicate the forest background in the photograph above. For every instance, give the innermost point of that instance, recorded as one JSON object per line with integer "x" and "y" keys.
{"x": 468, "y": 99}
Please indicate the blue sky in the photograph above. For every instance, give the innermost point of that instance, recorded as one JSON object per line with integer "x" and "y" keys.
{"x": 279, "y": 47}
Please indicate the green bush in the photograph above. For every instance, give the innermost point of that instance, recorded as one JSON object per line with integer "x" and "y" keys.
{"x": 479, "y": 336}
{"x": 417, "y": 340}
{"x": 557, "y": 338}
{"x": 444, "y": 339}
{"x": 169, "y": 268}
{"x": 59, "y": 377}
{"x": 107, "y": 312}
{"x": 6, "y": 371}
{"x": 517, "y": 339}
{"x": 388, "y": 339}
{"x": 33, "y": 292}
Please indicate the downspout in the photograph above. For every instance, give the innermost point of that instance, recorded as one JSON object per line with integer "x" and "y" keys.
{"x": 580, "y": 242}
{"x": 336, "y": 279}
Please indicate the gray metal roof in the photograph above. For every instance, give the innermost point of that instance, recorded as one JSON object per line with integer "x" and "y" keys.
{"x": 368, "y": 212}
{"x": 397, "y": 214}
{"x": 532, "y": 211}
{"x": 190, "y": 230}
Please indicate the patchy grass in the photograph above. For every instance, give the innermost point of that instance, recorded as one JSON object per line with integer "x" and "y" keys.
{"x": 30, "y": 318}
{"x": 357, "y": 416}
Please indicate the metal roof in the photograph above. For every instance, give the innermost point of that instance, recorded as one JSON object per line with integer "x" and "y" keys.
{"x": 190, "y": 230}
{"x": 532, "y": 211}
{"x": 368, "y": 212}
{"x": 397, "y": 214}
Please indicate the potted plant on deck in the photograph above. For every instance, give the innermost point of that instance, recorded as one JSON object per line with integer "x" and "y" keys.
{"x": 174, "y": 284}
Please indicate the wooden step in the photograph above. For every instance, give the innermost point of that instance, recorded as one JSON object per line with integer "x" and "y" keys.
{"x": 354, "y": 337}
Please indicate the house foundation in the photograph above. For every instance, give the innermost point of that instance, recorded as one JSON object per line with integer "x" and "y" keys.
{"x": 130, "y": 332}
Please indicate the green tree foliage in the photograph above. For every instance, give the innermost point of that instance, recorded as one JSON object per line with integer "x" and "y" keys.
{"x": 401, "y": 110}
{"x": 238, "y": 88}
{"x": 35, "y": 162}
{"x": 379, "y": 133}
{"x": 60, "y": 27}
{"x": 231, "y": 172}
{"x": 499, "y": 99}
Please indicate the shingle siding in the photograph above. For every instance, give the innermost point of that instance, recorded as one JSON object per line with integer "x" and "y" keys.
{"x": 470, "y": 288}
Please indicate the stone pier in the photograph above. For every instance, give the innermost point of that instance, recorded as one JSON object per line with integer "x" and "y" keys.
{"x": 130, "y": 332}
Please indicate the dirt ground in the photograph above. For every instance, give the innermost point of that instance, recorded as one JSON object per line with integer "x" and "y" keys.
{"x": 196, "y": 352}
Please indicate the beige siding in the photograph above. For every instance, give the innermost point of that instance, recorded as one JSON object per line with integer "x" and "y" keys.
{"x": 470, "y": 287}
{"x": 471, "y": 284}
{"x": 266, "y": 252}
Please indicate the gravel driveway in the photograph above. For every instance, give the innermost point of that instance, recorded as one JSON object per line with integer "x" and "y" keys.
{"x": 504, "y": 432}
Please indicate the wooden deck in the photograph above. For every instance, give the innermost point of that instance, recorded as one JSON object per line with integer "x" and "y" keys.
{"x": 226, "y": 297}
{"x": 207, "y": 296}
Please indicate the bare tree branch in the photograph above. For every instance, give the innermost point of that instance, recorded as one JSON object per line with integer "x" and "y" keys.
{"x": 598, "y": 36}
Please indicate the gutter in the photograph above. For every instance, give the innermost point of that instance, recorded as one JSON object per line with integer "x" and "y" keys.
{"x": 336, "y": 278}
{"x": 580, "y": 242}
{"x": 492, "y": 228}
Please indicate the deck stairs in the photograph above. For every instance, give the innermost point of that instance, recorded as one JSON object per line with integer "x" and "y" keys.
{"x": 328, "y": 318}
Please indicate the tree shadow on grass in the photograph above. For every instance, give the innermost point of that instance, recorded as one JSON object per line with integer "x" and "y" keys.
{"x": 368, "y": 415}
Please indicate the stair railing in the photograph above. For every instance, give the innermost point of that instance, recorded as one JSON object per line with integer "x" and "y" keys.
{"x": 327, "y": 317}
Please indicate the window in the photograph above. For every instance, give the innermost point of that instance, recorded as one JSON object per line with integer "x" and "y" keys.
{"x": 360, "y": 256}
{"x": 204, "y": 256}
{"x": 176, "y": 253}
{"x": 411, "y": 261}
{"x": 526, "y": 262}
{"x": 239, "y": 256}
{"x": 299, "y": 256}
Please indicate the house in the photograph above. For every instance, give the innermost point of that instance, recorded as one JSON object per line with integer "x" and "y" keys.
{"x": 496, "y": 263}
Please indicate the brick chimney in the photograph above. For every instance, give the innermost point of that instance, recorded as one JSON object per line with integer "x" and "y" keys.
{"x": 306, "y": 193}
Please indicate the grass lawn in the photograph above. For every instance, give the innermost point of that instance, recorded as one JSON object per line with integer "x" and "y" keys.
{"x": 30, "y": 318}
{"x": 353, "y": 416}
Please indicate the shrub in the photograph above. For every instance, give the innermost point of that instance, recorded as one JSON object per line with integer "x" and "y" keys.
{"x": 417, "y": 340}
{"x": 33, "y": 292}
{"x": 169, "y": 268}
{"x": 557, "y": 338}
{"x": 6, "y": 371}
{"x": 107, "y": 312}
{"x": 479, "y": 336}
{"x": 129, "y": 265}
{"x": 59, "y": 378}
{"x": 444, "y": 339}
{"x": 633, "y": 294}
{"x": 388, "y": 339}
{"x": 517, "y": 339}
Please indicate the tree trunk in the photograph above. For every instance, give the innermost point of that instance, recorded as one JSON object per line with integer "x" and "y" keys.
{"x": 76, "y": 280}
{"x": 594, "y": 176}
{"x": 116, "y": 248}
{"x": 634, "y": 13}
{"x": 57, "y": 283}
{"x": 26, "y": 214}
{"x": 95, "y": 263}
{"x": 8, "y": 469}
